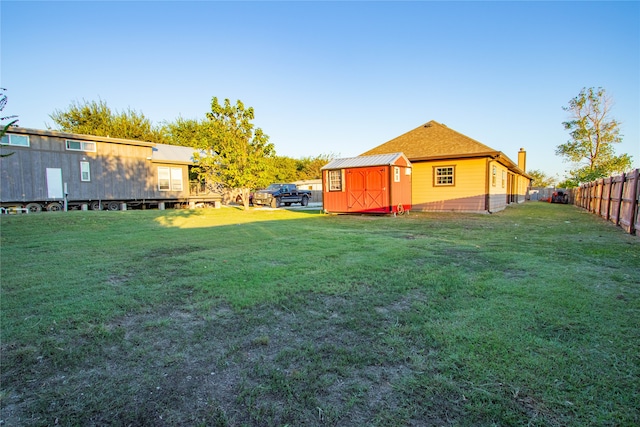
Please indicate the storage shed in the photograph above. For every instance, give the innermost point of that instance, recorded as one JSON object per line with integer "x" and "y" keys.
{"x": 379, "y": 184}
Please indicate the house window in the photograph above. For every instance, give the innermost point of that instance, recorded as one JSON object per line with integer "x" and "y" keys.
{"x": 396, "y": 174}
{"x": 176, "y": 179}
{"x": 444, "y": 175}
{"x": 169, "y": 179}
{"x": 493, "y": 176}
{"x": 81, "y": 145}
{"x": 17, "y": 140}
{"x": 335, "y": 180}
{"x": 85, "y": 172}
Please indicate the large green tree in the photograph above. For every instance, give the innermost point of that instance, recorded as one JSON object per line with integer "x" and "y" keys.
{"x": 541, "y": 179}
{"x": 236, "y": 154}
{"x": 593, "y": 134}
{"x": 96, "y": 118}
{"x": 311, "y": 167}
{"x": 188, "y": 132}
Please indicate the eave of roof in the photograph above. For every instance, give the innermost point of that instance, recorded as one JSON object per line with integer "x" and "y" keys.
{"x": 78, "y": 136}
{"x": 365, "y": 161}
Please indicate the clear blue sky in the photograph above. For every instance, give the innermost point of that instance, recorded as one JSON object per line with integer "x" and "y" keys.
{"x": 333, "y": 77}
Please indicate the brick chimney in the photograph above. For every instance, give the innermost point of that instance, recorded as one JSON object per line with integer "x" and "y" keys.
{"x": 522, "y": 159}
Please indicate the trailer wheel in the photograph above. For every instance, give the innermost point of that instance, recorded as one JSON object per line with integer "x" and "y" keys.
{"x": 305, "y": 201}
{"x": 113, "y": 206}
{"x": 34, "y": 207}
{"x": 54, "y": 207}
{"x": 96, "y": 206}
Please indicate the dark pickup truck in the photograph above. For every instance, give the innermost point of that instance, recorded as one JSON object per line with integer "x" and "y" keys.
{"x": 281, "y": 194}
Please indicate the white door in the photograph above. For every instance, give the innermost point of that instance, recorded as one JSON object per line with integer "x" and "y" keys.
{"x": 54, "y": 183}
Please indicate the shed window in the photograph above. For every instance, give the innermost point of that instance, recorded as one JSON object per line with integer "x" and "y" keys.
{"x": 396, "y": 174}
{"x": 444, "y": 175}
{"x": 335, "y": 180}
{"x": 169, "y": 179}
{"x": 85, "y": 172}
{"x": 18, "y": 140}
{"x": 81, "y": 145}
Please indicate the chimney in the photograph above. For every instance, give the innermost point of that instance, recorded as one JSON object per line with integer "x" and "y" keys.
{"x": 522, "y": 159}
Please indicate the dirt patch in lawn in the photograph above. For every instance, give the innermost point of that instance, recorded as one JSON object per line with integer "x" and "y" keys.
{"x": 331, "y": 360}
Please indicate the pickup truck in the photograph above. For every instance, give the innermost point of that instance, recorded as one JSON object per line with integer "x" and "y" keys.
{"x": 277, "y": 195}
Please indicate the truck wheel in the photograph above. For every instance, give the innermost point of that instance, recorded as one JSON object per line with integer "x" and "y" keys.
{"x": 113, "y": 206}
{"x": 305, "y": 201}
{"x": 274, "y": 202}
{"x": 96, "y": 206}
{"x": 54, "y": 207}
{"x": 34, "y": 207}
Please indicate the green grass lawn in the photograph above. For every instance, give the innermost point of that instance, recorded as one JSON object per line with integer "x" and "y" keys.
{"x": 272, "y": 317}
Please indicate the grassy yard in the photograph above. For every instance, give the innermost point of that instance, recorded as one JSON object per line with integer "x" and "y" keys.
{"x": 279, "y": 318}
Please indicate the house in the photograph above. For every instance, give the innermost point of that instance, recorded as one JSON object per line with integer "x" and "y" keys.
{"x": 309, "y": 184}
{"x": 452, "y": 172}
{"x": 313, "y": 185}
{"x": 54, "y": 170}
{"x": 367, "y": 184}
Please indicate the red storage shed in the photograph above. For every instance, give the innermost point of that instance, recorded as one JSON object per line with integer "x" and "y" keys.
{"x": 379, "y": 184}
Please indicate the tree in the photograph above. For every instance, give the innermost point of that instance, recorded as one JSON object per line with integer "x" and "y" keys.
{"x": 96, "y": 118}
{"x": 236, "y": 154}
{"x": 593, "y": 134}
{"x": 283, "y": 169}
{"x": 311, "y": 167}
{"x": 3, "y": 124}
{"x": 540, "y": 179}
{"x": 188, "y": 132}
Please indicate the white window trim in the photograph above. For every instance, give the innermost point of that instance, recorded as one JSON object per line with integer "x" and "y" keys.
{"x": 176, "y": 179}
{"x": 335, "y": 173}
{"x": 396, "y": 174}
{"x": 85, "y": 167}
{"x": 84, "y": 146}
{"x": 173, "y": 176}
{"x": 8, "y": 137}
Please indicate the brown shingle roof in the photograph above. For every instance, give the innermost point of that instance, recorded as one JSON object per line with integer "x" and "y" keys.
{"x": 433, "y": 140}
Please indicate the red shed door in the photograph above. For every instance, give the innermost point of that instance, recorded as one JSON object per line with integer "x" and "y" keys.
{"x": 366, "y": 190}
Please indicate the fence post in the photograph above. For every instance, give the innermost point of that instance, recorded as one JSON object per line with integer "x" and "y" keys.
{"x": 635, "y": 210}
{"x": 623, "y": 179}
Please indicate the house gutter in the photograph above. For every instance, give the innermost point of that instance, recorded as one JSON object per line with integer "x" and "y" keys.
{"x": 493, "y": 155}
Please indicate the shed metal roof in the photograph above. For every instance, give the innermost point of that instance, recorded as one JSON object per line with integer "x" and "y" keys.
{"x": 173, "y": 153}
{"x": 364, "y": 161}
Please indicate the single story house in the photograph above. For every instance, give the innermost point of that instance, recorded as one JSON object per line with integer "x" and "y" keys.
{"x": 453, "y": 172}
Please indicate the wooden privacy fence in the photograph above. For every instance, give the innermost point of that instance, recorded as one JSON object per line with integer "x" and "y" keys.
{"x": 614, "y": 199}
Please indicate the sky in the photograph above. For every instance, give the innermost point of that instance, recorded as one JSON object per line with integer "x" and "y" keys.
{"x": 333, "y": 78}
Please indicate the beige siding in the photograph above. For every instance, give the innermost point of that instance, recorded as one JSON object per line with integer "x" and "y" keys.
{"x": 498, "y": 186}
{"x": 468, "y": 194}
{"x": 522, "y": 186}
